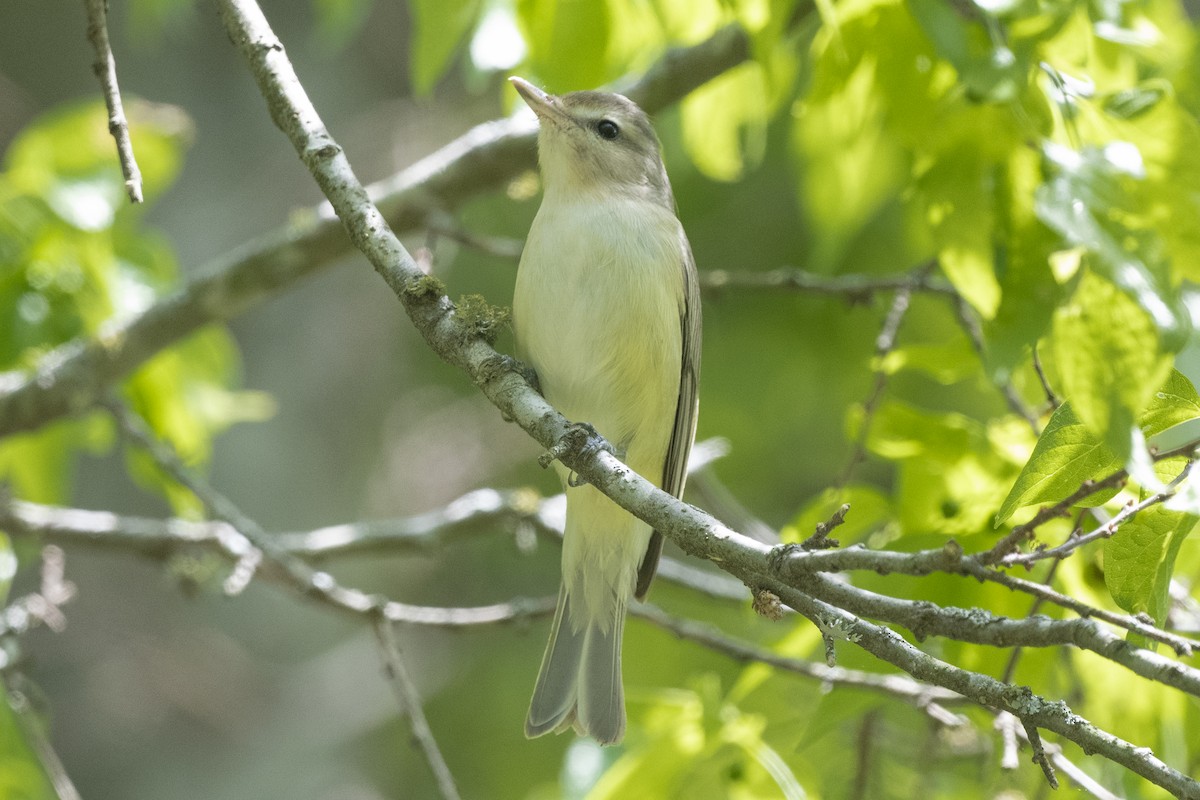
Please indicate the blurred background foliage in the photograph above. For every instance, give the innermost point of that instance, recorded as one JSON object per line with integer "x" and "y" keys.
{"x": 1045, "y": 152}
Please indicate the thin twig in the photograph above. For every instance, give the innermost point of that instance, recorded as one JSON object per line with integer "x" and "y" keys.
{"x": 105, "y": 67}
{"x": 1047, "y": 389}
{"x": 978, "y": 626}
{"x": 885, "y": 341}
{"x": 410, "y": 703}
{"x": 444, "y": 225}
{"x": 251, "y": 548}
{"x": 855, "y": 288}
{"x": 929, "y": 699}
{"x": 1010, "y": 668}
{"x": 1103, "y": 532}
{"x": 970, "y": 325}
{"x": 43, "y": 607}
{"x": 39, "y": 741}
{"x": 867, "y": 732}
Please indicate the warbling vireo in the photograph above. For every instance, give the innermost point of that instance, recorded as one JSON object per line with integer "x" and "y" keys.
{"x": 607, "y": 311}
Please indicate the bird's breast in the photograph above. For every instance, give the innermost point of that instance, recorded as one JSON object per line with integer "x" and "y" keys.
{"x": 597, "y": 312}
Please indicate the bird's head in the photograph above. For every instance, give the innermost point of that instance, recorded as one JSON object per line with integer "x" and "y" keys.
{"x": 597, "y": 142}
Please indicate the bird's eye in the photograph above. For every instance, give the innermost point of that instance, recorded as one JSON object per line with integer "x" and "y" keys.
{"x": 607, "y": 129}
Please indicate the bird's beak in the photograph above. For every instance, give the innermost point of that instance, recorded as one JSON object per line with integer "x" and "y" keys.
{"x": 546, "y": 106}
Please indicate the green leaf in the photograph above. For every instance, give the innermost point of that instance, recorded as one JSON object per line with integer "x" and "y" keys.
{"x": 1069, "y": 453}
{"x": 339, "y": 21}
{"x": 568, "y": 41}
{"x": 949, "y": 361}
{"x": 1109, "y": 360}
{"x": 439, "y": 27}
{"x": 1066, "y": 455}
{"x": 988, "y": 68}
{"x": 22, "y": 777}
{"x": 954, "y": 471}
{"x": 725, "y": 120}
{"x": 182, "y": 395}
{"x": 67, "y": 156}
{"x": 1139, "y": 559}
{"x": 1174, "y": 404}
{"x": 1093, "y": 199}
{"x": 959, "y": 199}
{"x": 852, "y": 163}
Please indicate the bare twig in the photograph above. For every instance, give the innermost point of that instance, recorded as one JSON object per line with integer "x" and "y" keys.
{"x": 951, "y": 559}
{"x": 43, "y": 607}
{"x": 978, "y": 626}
{"x": 867, "y": 732}
{"x": 1047, "y": 389}
{"x": 443, "y": 224}
{"x": 1104, "y": 531}
{"x": 884, "y": 343}
{"x": 970, "y": 325}
{"x": 250, "y": 548}
{"x": 1039, "y": 753}
{"x": 410, "y": 702}
{"x": 105, "y": 68}
{"x": 34, "y": 733}
{"x": 476, "y": 512}
{"x": 930, "y": 699}
{"x": 855, "y": 288}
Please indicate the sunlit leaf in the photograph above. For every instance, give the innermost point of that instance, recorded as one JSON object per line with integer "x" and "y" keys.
{"x": 1109, "y": 360}
{"x": 1091, "y": 200}
{"x": 959, "y": 194}
{"x": 724, "y": 122}
{"x": 947, "y": 362}
{"x": 1139, "y": 559}
{"x": 1066, "y": 455}
{"x": 568, "y": 42}
{"x": 22, "y": 777}
{"x": 1069, "y": 453}
{"x": 439, "y": 27}
{"x": 1174, "y": 404}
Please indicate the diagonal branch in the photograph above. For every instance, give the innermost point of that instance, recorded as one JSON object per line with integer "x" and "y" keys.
{"x": 105, "y": 67}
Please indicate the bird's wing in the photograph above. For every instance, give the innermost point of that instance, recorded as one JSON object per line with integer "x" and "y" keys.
{"x": 675, "y": 469}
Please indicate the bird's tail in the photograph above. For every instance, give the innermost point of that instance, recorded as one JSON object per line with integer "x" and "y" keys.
{"x": 579, "y": 684}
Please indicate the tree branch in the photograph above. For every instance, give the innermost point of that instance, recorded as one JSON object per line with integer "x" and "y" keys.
{"x": 105, "y": 67}
{"x": 410, "y": 701}
{"x": 1030, "y": 708}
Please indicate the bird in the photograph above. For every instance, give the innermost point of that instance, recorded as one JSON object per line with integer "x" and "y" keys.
{"x": 606, "y": 311}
